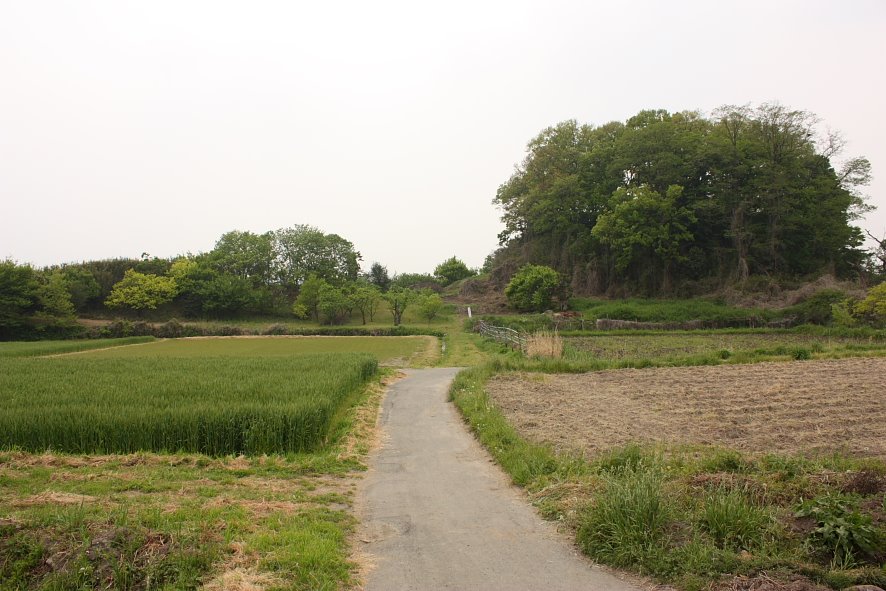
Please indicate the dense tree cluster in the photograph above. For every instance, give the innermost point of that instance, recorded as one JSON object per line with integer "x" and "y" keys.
{"x": 668, "y": 198}
{"x": 296, "y": 270}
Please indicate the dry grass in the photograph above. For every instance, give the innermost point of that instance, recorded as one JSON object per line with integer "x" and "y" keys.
{"x": 801, "y": 407}
{"x": 544, "y": 344}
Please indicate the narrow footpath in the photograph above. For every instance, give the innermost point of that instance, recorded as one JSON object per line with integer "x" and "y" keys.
{"x": 439, "y": 514}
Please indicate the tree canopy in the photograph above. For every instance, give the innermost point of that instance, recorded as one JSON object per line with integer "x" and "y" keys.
{"x": 667, "y": 197}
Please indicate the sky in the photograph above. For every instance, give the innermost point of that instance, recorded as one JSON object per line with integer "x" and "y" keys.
{"x": 132, "y": 127}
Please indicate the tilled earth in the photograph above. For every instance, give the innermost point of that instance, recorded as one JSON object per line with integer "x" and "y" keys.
{"x": 805, "y": 407}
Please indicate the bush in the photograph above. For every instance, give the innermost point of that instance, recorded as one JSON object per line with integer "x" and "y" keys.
{"x": 452, "y": 270}
{"x": 817, "y": 309}
{"x": 276, "y": 329}
{"x": 533, "y": 288}
{"x": 873, "y": 307}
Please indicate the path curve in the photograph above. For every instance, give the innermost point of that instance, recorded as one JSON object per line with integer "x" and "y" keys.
{"x": 438, "y": 514}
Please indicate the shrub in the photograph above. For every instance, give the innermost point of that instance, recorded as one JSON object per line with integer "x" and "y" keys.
{"x": 873, "y": 307}
{"x": 533, "y": 288}
{"x": 452, "y": 270}
{"x": 276, "y": 329}
{"x": 817, "y": 309}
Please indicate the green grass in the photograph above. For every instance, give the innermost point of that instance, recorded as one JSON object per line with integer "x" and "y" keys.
{"x": 722, "y": 344}
{"x": 37, "y": 348}
{"x": 182, "y": 521}
{"x": 646, "y": 310}
{"x": 215, "y": 405}
{"x": 384, "y": 349}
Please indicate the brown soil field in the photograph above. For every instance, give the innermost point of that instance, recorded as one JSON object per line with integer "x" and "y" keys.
{"x": 802, "y": 407}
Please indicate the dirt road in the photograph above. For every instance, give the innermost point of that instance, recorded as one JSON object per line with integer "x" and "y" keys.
{"x": 438, "y": 514}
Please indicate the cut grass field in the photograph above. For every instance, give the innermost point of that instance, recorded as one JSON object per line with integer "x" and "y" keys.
{"x": 763, "y": 476}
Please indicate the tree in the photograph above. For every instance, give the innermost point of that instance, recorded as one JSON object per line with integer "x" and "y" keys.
{"x": 873, "y": 306}
{"x": 533, "y": 288}
{"x": 333, "y": 305}
{"x": 245, "y": 255}
{"x": 309, "y": 297}
{"x": 452, "y": 270}
{"x": 82, "y": 286}
{"x": 366, "y": 298}
{"x": 18, "y": 299}
{"x": 304, "y": 250}
{"x": 140, "y": 291}
{"x": 378, "y": 276}
{"x": 398, "y": 298}
{"x": 646, "y": 228}
{"x": 429, "y": 305}
{"x": 226, "y": 295}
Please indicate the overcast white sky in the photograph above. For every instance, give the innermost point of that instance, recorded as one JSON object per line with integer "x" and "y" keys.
{"x": 130, "y": 127}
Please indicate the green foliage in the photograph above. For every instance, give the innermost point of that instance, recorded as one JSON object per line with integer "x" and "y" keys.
{"x": 397, "y": 299}
{"x": 212, "y": 405}
{"x": 378, "y": 276}
{"x": 333, "y": 306}
{"x": 309, "y": 298}
{"x": 452, "y": 270}
{"x": 873, "y": 306}
{"x": 226, "y": 295}
{"x": 246, "y": 256}
{"x": 139, "y": 291}
{"x": 676, "y": 198}
{"x": 429, "y": 305}
{"x": 303, "y": 251}
{"x": 18, "y": 299}
{"x": 533, "y": 288}
{"x": 366, "y": 298}
{"x": 82, "y": 286}
{"x": 841, "y": 313}
{"x": 842, "y": 530}
{"x": 817, "y": 309}
{"x": 646, "y": 228}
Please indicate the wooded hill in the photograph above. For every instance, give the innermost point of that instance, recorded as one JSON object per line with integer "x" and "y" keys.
{"x": 681, "y": 203}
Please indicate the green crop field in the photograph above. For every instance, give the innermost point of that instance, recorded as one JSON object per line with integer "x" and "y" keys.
{"x": 36, "y": 348}
{"x": 212, "y": 405}
{"x": 384, "y": 349}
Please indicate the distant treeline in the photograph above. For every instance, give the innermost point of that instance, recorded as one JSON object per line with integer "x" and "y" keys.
{"x": 681, "y": 203}
{"x": 245, "y": 274}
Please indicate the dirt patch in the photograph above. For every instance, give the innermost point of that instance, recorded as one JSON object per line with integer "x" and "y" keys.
{"x": 801, "y": 407}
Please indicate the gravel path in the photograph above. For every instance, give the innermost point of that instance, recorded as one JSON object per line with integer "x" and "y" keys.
{"x": 438, "y": 514}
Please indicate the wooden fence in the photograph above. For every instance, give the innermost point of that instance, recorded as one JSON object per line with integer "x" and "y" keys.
{"x": 502, "y": 334}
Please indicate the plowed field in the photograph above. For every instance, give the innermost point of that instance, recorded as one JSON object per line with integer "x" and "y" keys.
{"x": 806, "y": 407}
